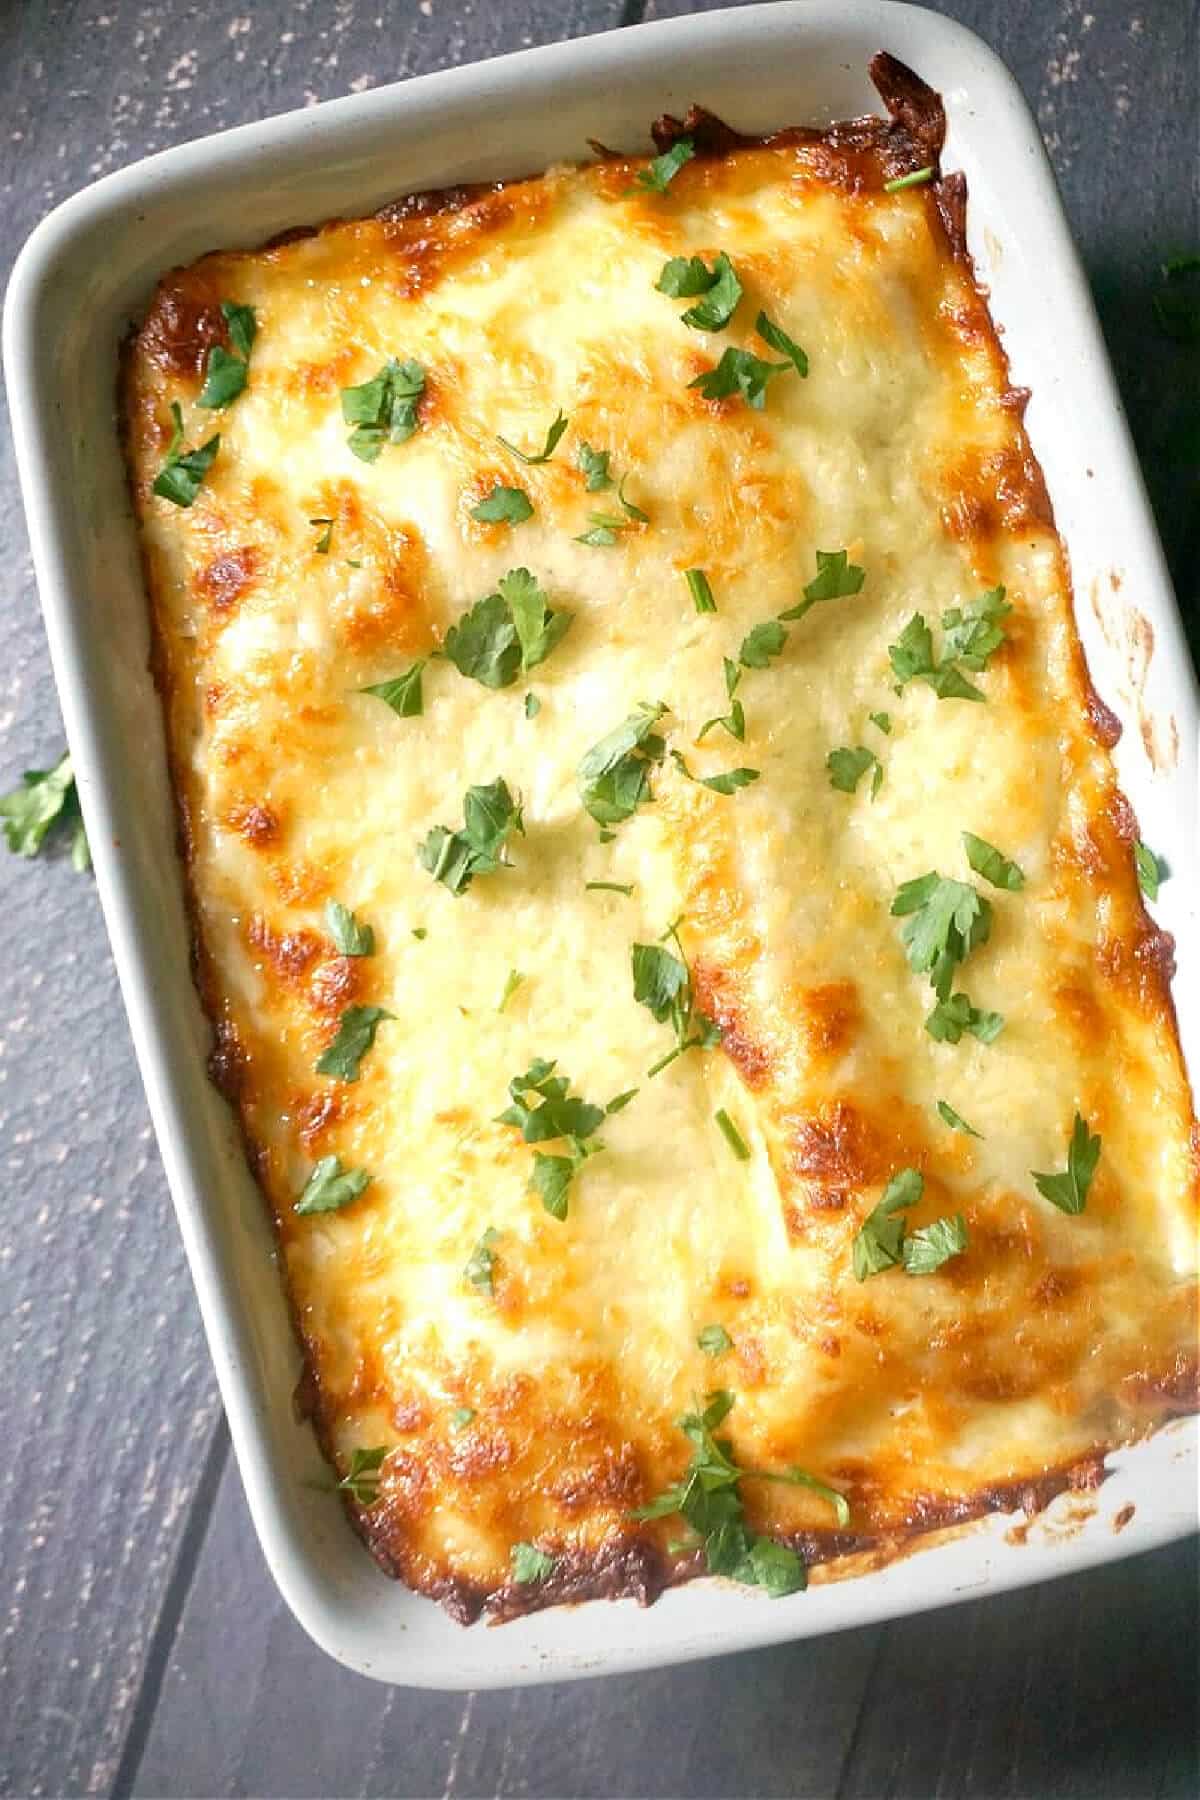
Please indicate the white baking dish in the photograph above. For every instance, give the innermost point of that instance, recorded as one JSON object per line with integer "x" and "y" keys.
{"x": 82, "y": 278}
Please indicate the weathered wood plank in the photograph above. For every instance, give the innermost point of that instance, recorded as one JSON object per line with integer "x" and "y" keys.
{"x": 107, "y": 1403}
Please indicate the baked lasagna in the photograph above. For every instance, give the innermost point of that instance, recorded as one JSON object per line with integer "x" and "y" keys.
{"x": 670, "y": 927}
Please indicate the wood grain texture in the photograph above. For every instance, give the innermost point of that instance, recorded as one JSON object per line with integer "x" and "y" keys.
{"x": 135, "y": 1649}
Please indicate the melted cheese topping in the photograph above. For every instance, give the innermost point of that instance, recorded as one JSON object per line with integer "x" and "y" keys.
{"x": 1052, "y": 1335}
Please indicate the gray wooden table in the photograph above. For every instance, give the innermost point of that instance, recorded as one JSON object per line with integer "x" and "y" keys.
{"x": 143, "y": 1648}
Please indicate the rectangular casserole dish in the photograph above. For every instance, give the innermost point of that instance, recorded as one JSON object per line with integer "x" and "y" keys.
{"x": 71, "y": 301}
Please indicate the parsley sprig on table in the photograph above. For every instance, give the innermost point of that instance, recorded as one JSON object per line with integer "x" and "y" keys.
{"x": 46, "y": 802}
{"x": 708, "y": 1498}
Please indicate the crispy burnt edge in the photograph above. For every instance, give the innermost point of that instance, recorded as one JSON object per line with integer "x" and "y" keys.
{"x": 863, "y": 153}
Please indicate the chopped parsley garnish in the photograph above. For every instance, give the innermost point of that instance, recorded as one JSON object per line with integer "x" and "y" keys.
{"x": 607, "y": 887}
{"x": 480, "y": 1270}
{"x": 739, "y": 372}
{"x": 321, "y": 547}
{"x": 836, "y": 579}
{"x": 594, "y": 464}
{"x": 504, "y": 506}
{"x": 1069, "y": 1192}
{"x": 778, "y": 339}
{"x": 727, "y": 782}
{"x": 614, "y": 777}
{"x": 515, "y": 978}
{"x": 700, "y": 590}
{"x": 543, "y": 1108}
{"x": 847, "y": 767}
{"x": 553, "y": 436}
{"x": 1150, "y": 871}
{"x": 530, "y": 1564}
{"x": 734, "y": 721}
{"x": 490, "y": 816}
{"x": 987, "y": 861}
{"x": 461, "y": 1417}
{"x": 943, "y": 922}
{"x": 972, "y": 633}
{"x": 384, "y": 409}
{"x": 507, "y": 633}
{"x": 420, "y": 933}
{"x": 662, "y": 170}
{"x": 226, "y": 372}
{"x": 404, "y": 694}
{"x": 882, "y": 1241}
{"x": 355, "y": 1035}
{"x": 954, "y": 1015}
{"x": 916, "y": 178}
{"x": 707, "y": 1497}
{"x": 719, "y": 287}
{"x": 761, "y": 644}
{"x": 714, "y": 1340}
{"x": 732, "y": 1135}
{"x": 533, "y": 706}
{"x": 330, "y": 1187}
{"x": 955, "y": 1120}
{"x": 182, "y": 475}
{"x": 351, "y": 938}
{"x": 361, "y": 1480}
{"x": 606, "y": 527}
{"x": 46, "y": 801}
{"x": 662, "y": 982}
{"x": 883, "y": 720}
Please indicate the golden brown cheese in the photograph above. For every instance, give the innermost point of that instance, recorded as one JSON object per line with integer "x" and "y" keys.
{"x": 1012, "y": 1368}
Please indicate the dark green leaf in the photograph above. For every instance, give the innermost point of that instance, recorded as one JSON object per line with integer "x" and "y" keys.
{"x": 836, "y": 577}
{"x": 944, "y": 921}
{"x": 685, "y": 276}
{"x": 927, "y": 1249}
{"x": 404, "y": 694}
{"x": 538, "y": 628}
{"x": 533, "y": 706}
{"x": 384, "y": 409}
{"x": 660, "y": 980}
{"x": 553, "y": 436}
{"x": 884, "y": 722}
{"x": 484, "y": 645}
{"x": 351, "y": 938}
{"x": 45, "y": 798}
{"x": 330, "y": 1187}
{"x": 879, "y": 1243}
{"x": 594, "y": 464}
{"x": 778, "y": 339}
{"x": 1149, "y": 872}
{"x": 355, "y": 1035}
{"x": 224, "y": 378}
{"x": 738, "y": 372}
{"x": 614, "y": 777}
{"x": 974, "y": 632}
{"x": 361, "y": 1480}
{"x": 530, "y": 1564}
{"x": 490, "y": 816}
{"x": 955, "y": 1014}
{"x": 242, "y": 326}
{"x": 557, "y": 1112}
{"x": 551, "y": 1181}
{"x": 955, "y": 1120}
{"x": 761, "y": 644}
{"x": 714, "y": 1340}
{"x": 1069, "y": 1192}
{"x": 504, "y": 506}
{"x": 481, "y": 1264}
{"x": 987, "y": 861}
{"x": 847, "y": 767}
{"x": 714, "y": 311}
{"x": 182, "y": 475}
{"x": 732, "y": 1135}
{"x": 662, "y": 170}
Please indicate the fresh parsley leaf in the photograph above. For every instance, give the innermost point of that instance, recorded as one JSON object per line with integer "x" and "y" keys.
{"x": 778, "y": 339}
{"x": 601, "y": 535}
{"x": 917, "y": 178}
{"x": 490, "y": 816}
{"x": 224, "y": 378}
{"x": 544, "y": 1108}
{"x": 1150, "y": 872}
{"x": 330, "y": 1187}
{"x": 971, "y": 634}
{"x": 1069, "y": 1192}
{"x": 878, "y": 1245}
{"x": 944, "y": 921}
{"x": 506, "y": 633}
{"x": 954, "y": 1015}
{"x": 847, "y": 767}
{"x": 321, "y": 547}
{"x": 351, "y": 938}
{"x": 732, "y": 1135}
{"x": 728, "y": 782}
{"x": 974, "y": 632}
{"x": 384, "y": 409}
{"x": 461, "y": 1417}
{"x": 45, "y": 801}
{"x": 955, "y": 1120}
{"x": 533, "y": 706}
{"x": 662, "y": 983}
{"x": 355, "y": 1035}
{"x": 480, "y": 1270}
{"x": 884, "y": 722}
{"x": 738, "y": 372}
{"x": 594, "y": 464}
{"x": 701, "y": 592}
{"x": 987, "y": 861}
{"x": 515, "y": 978}
{"x": 721, "y": 291}
{"x": 837, "y": 578}
{"x": 608, "y": 887}
{"x": 404, "y": 694}
{"x": 420, "y": 933}
{"x": 531, "y": 1564}
{"x": 551, "y": 1179}
{"x": 685, "y": 276}
{"x": 614, "y": 777}
{"x": 662, "y": 170}
{"x": 797, "y": 1477}
{"x": 932, "y": 1245}
{"x": 361, "y": 1480}
{"x": 627, "y": 506}
{"x": 182, "y": 475}
{"x": 761, "y": 644}
{"x": 504, "y": 506}
{"x": 553, "y": 435}
{"x": 242, "y": 325}
{"x": 714, "y": 1340}
{"x": 734, "y": 722}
